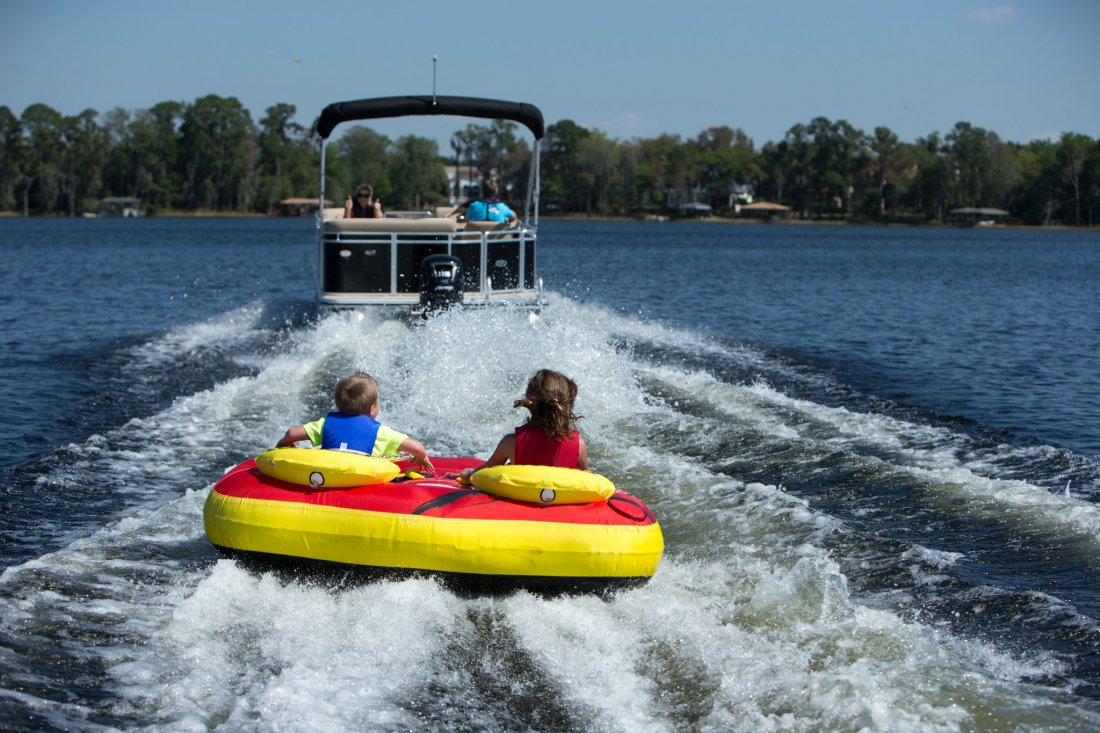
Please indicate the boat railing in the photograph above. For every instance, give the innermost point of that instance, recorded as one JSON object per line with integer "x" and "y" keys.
{"x": 377, "y": 261}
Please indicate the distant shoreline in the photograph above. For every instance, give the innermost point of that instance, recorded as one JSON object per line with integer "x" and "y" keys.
{"x": 717, "y": 220}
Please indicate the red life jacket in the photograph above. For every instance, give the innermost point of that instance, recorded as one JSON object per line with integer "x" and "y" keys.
{"x": 534, "y": 448}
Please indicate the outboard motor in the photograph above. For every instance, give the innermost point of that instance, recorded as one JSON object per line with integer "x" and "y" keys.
{"x": 440, "y": 282}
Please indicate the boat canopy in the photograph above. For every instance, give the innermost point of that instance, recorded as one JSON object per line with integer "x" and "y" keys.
{"x": 382, "y": 107}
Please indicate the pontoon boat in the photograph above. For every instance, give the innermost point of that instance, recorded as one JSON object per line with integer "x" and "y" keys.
{"x": 428, "y": 259}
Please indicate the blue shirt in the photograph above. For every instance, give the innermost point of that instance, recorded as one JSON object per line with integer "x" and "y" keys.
{"x": 489, "y": 211}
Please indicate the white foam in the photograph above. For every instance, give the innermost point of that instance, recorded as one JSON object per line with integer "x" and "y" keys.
{"x": 933, "y": 455}
{"x": 748, "y": 625}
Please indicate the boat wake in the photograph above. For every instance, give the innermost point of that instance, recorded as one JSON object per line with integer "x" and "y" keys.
{"x": 828, "y": 559}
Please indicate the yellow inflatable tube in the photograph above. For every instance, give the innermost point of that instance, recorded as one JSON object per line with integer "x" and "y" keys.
{"x": 544, "y": 484}
{"x": 481, "y": 546}
{"x": 331, "y": 469}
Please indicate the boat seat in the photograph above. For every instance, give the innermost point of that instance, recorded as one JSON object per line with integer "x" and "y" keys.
{"x": 485, "y": 226}
{"x": 333, "y": 213}
{"x": 391, "y": 225}
{"x": 408, "y": 215}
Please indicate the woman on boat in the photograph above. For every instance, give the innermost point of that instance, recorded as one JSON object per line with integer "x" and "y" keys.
{"x": 549, "y": 437}
{"x": 363, "y": 205}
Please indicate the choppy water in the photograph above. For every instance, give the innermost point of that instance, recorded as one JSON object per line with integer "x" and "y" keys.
{"x": 874, "y": 455}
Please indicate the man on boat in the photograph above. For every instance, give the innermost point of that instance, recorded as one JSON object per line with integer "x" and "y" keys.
{"x": 489, "y": 207}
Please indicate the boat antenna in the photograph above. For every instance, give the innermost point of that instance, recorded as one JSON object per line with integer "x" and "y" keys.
{"x": 435, "y": 61}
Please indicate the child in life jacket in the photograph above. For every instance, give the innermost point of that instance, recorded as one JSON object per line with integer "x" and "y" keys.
{"x": 549, "y": 437}
{"x": 354, "y": 427}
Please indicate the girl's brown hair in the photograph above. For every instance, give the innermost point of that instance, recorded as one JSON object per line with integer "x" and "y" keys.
{"x": 550, "y": 396}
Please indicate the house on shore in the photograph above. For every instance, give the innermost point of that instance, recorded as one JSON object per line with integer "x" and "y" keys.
{"x": 977, "y": 217}
{"x": 125, "y": 207}
{"x": 694, "y": 210}
{"x": 765, "y": 210}
{"x": 299, "y": 207}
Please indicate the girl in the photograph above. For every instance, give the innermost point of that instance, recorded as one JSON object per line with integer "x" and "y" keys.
{"x": 549, "y": 437}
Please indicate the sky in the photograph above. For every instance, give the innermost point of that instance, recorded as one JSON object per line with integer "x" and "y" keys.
{"x": 1026, "y": 70}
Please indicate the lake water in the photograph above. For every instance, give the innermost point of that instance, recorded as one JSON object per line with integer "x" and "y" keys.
{"x": 875, "y": 455}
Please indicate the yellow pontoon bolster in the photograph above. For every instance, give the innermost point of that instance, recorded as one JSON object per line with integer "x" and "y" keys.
{"x": 544, "y": 484}
{"x": 481, "y": 546}
{"x": 331, "y": 469}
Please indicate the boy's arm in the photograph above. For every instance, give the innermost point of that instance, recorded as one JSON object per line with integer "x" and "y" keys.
{"x": 416, "y": 449}
{"x": 292, "y": 436}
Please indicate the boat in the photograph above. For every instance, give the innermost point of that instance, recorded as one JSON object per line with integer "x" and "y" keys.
{"x": 468, "y": 537}
{"x": 427, "y": 260}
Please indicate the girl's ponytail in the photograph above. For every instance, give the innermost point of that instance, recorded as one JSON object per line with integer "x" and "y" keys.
{"x": 550, "y": 396}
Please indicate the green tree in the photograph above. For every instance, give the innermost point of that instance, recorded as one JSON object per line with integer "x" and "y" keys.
{"x": 481, "y": 150}
{"x": 596, "y": 159}
{"x": 838, "y": 159}
{"x": 286, "y": 157}
{"x": 503, "y": 136}
{"x": 1091, "y": 181}
{"x": 144, "y": 155}
{"x": 42, "y": 147}
{"x": 928, "y": 191}
{"x": 156, "y": 137}
{"x": 365, "y": 156}
{"x": 628, "y": 196}
{"x": 493, "y": 149}
{"x": 561, "y": 170}
{"x": 417, "y": 173}
{"x": 787, "y": 164}
{"x": 886, "y": 151}
{"x": 665, "y": 169}
{"x": 119, "y": 170}
{"x": 1033, "y": 199}
{"x": 1073, "y": 152}
{"x": 10, "y": 154}
{"x": 1003, "y": 172}
{"x": 723, "y": 157}
{"x": 462, "y": 146}
{"x": 968, "y": 154}
{"x": 82, "y": 160}
{"x": 516, "y": 173}
{"x": 218, "y": 153}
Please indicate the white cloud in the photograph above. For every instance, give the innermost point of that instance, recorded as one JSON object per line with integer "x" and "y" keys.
{"x": 627, "y": 125}
{"x": 994, "y": 14}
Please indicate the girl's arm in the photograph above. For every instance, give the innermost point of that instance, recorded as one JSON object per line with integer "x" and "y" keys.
{"x": 582, "y": 458}
{"x": 505, "y": 452}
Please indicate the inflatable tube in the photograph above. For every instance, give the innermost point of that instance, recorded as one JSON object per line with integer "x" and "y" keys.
{"x": 544, "y": 484}
{"x": 436, "y": 525}
{"x": 330, "y": 469}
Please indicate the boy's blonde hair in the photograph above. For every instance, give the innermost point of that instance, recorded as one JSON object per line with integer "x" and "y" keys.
{"x": 356, "y": 394}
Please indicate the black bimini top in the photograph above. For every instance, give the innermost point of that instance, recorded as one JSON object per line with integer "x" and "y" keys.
{"x": 382, "y": 107}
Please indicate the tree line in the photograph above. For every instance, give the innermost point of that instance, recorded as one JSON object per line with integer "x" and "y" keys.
{"x": 210, "y": 156}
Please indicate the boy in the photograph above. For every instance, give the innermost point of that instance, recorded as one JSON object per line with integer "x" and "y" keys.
{"x": 354, "y": 425}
